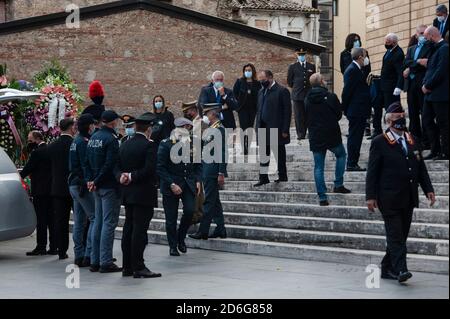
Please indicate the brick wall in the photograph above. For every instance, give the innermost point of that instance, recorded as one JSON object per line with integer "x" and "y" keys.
{"x": 136, "y": 59}
{"x": 400, "y": 17}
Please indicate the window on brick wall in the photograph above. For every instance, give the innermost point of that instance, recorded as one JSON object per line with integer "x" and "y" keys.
{"x": 2, "y": 11}
{"x": 262, "y": 24}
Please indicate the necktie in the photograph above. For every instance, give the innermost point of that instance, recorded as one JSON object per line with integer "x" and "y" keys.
{"x": 218, "y": 97}
{"x": 442, "y": 27}
{"x": 405, "y": 150}
{"x": 416, "y": 56}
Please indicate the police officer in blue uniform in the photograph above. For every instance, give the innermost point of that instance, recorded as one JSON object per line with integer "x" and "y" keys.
{"x": 214, "y": 173}
{"x": 180, "y": 179}
{"x": 396, "y": 169}
{"x": 102, "y": 156}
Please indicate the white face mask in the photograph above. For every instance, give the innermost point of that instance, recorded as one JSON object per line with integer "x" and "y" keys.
{"x": 441, "y": 18}
{"x": 205, "y": 120}
{"x": 366, "y": 61}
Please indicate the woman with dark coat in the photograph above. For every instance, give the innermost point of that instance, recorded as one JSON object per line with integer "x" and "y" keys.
{"x": 353, "y": 40}
{"x": 165, "y": 120}
{"x": 246, "y": 91}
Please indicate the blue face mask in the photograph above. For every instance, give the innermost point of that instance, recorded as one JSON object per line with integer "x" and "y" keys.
{"x": 422, "y": 40}
{"x": 357, "y": 44}
{"x": 159, "y": 105}
{"x": 301, "y": 58}
{"x": 218, "y": 85}
{"x": 130, "y": 131}
{"x": 248, "y": 74}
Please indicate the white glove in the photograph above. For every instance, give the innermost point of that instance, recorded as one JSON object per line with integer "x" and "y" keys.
{"x": 397, "y": 91}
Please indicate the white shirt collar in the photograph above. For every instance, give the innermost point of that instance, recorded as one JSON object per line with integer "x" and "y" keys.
{"x": 274, "y": 82}
{"x": 41, "y": 143}
{"x": 142, "y": 134}
{"x": 65, "y": 134}
{"x": 398, "y": 136}
{"x": 357, "y": 64}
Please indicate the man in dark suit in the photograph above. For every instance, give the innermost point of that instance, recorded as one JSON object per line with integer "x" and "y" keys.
{"x": 216, "y": 92}
{"x": 414, "y": 71}
{"x": 180, "y": 179}
{"x": 136, "y": 172}
{"x": 396, "y": 168}
{"x": 435, "y": 88}
{"x": 62, "y": 201}
{"x": 214, "y": 171}
{"x": 391, "y": 77}
{"x": 299, "y": 74}
{"x": 355, "y": 102}
{"x": 274, "y": 113}
{"x": 441, "y": 20}
{"x": 39, "y": 169}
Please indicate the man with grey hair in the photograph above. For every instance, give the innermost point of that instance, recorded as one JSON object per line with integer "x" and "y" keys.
{"x": 415, "y": 66}
{"x": 435, "y": 88}
{"x": 441, "y": 20}
{"x": 391, "y": 76}
{"x": 216, "y": 92}
{"x": 356, "y": 105}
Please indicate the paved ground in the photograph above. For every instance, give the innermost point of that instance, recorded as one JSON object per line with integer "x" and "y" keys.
{"x": 203, "y": 274}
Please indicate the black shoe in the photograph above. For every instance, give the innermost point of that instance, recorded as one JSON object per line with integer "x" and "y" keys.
{"x": 356, "y": 168}
{"x": 110, "y": 269}
{"x": 222, "y": 234}
{"x": 174, "y": 252}
{"x": 368, "y": 132}
{"x": 387, "y": 274}
{"x": 62, "y": 257}
{"x": 281, "y": 180}
{"x": 262, "y": 183}
{"x": 37, "y": 252}
{"x": 79, "y": 262}
{"x": 86, "y": 262}
{"x": 441, "y": 157}
{"x": 404, "y": 276}
{"x": 199, "y": 235}
{"x": 94, "y": 268}
{"x": 146, "y": 273}
{"x": 430, "y": 156}
{"x": 324, "y": 203}
{"x": 182, "y": 247}
{"x": 341, "y": 190}
{"x": 52, "y": 252}
{"x": 127, "y": 273}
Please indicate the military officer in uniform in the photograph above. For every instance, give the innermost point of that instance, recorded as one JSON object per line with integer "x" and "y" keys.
{"x": 298, "y": 80}
{"x": 136, "y": 173}
{"x": 180, "y": 179}
{"x": 129, "y": 127}
{"x": 396, "y": 168}
{"x": 191, "y": 112}
{"x": 214, "y": 173}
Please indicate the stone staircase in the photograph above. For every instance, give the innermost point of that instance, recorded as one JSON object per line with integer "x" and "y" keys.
{"x": 285, "y": 220}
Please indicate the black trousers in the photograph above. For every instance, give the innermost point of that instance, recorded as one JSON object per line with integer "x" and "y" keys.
{"x": 212, "y": 208}
{"x": 415, "y": 108}
{"x": 62, "y": 207}
{"x": 397, "y": 224}
{"x": 170, "y": 203}
{"x": 300, "y": 118}
{"x": 356, "y": 129}
{"x": 45, "y": 220}
{"x": 435, "y": 118}
{"x": 280, "y": 157}
{"x": 134, "y": 239}
{"x": 246, "y": 120}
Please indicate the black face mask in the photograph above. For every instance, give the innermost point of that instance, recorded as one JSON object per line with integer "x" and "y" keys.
{"x": 265, "y": 84}
{"x": 388, "y": 46}
{"x": 31, "y": 147}
{"x": 399, "y": 124}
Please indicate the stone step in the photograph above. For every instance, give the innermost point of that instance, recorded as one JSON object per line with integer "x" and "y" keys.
{"x": 435, "y": 247}
{"x": 308, "y": 175}
{"x": 441, "y": 189}
{"x": 339, "y": 225}
{"x": 442, "y": 202}
{"x": 416, "y": 262}
{"x": 432, "y": 216}
{"x": 330, "y": 165}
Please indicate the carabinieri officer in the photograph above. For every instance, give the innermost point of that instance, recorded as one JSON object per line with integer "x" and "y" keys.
{"x": 180, "y": 179}
{"x": 396, "y": 168}
{"x": 214, "y": 173}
